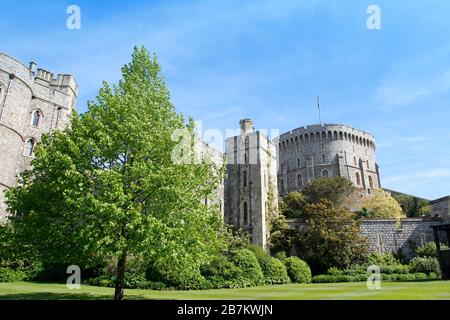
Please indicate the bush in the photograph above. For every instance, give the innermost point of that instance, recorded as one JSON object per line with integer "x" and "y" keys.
{"x": 326, "y": 278}
{"x": 298, "y": 270}
{"x": 274, "y": 270}
{"x": 429, "y": 250}
{"x": 11, "y": 275}
{"x": 178, "y": 274}
{"x": 222, "y": 273}
{"x": 394, "y": 269}
{"x": 247, "y": 262}
{"x": 433, "y": 275}
{"x": 406, "y": 277}
{"x": 425, "y": 265}
{"x": 420, "y": 276}
{"x": 384, "y": 259}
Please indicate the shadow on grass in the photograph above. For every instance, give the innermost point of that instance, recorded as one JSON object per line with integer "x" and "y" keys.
{"x": 66, "y": 296}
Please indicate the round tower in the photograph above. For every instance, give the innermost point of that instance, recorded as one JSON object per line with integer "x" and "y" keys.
{"x": 318, "y": 151}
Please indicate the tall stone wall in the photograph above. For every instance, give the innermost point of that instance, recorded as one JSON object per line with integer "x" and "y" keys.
{"x": 388, "y": 236}
{"x": 24, "y": 92}
{"x": 317, "y": 151}
{"x": 385, "y": 235}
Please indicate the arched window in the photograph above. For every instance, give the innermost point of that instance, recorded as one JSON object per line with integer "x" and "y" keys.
{"x": 330, "y": 135}
{"x": 298, "y": 162}
{"x": 358, "y": 179}
{"x": 325, "y": 173}
{"x": 341, "y": 135}
{"x": 345, "y": 136}
{"x": 311, "y": 136}
{"x": 370, "y": 182}
{"x": 324, "y": 135}
{"x": 335, "y": 135}
{"x": 299, "y": 180}
{"x": 317, "y": 136}
{"x": 301, "y": 138}
{"x": 245, "y": 178}
{"x": 29, "y": 147}
{"x": 36, "y": 118}
{"x": 306, "y": 138}
{"x": 245, "y": 213}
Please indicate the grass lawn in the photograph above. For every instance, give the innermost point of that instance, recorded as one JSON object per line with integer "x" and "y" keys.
{"x": 390, "y": 290}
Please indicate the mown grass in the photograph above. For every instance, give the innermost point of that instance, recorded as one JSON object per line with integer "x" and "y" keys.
{"x": 426, "y": 290}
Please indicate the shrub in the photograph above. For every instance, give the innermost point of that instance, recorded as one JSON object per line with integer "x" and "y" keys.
{"x": 394, "y": 269}
{"x": 246, "y": 260}
{"x": 274, "y": 270}
{"x": 420, "y": 276}
{"x": 433, "y": 275}
{"x": 334, "y": 271}
{"x": 384, "y": 259}
{"x": 11, "y": 275}
{"x": 326, "y": 278}
{"x": 429, "y": 250}
{"x": 298, "y": 270}
{"x": 425, "y": 265}
{"x": 222, "y": 273}
{"x": 405, "y": 277}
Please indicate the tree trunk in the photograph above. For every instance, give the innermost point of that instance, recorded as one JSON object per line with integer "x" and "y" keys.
{"x": 120, "y": 277}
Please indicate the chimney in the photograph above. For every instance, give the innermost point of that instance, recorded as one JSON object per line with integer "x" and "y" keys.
{"x": 32, "y": 66}
{"x": 246, "y": 126}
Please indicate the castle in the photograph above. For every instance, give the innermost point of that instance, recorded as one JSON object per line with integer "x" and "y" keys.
{"x": 259, "y": 170}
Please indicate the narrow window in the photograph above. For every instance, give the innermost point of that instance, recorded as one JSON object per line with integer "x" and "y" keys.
{"x": 354, "y": 160}
{"x": 245, "y": 178}
{"x": 245, "y": 213}
{"x": 29, "y": 147}
{"x": 36, "y": 119}
{"x": 358, "y": 179}
{"x": 325, "y": 174}
{"x": 299, "y": 180}
{"x": 298, "y": 162}
{"x": 370, "y": 182}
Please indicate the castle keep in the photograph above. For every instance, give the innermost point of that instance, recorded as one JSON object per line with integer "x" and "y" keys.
{"x": 318, "y": 151}
{"x": 34, "y": 102}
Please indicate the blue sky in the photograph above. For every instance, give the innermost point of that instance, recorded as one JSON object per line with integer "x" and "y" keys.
{"x": 269, "y": 60}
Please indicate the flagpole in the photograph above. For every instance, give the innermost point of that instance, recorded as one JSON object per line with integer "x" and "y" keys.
{"x": 318, "y": 106}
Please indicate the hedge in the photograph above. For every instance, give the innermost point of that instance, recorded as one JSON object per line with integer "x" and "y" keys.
{"x": 298, "y": 270}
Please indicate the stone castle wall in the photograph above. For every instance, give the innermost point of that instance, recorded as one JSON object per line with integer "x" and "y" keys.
{"x": 317, "y": 151}
{"x": 23, "y": 92}
{"x": 385, "y": 235}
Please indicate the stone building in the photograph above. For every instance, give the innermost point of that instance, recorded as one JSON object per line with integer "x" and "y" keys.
{"x": 32, "y": 102}
{"x": 318, "y": 151}
{"x": 251, "y": 185}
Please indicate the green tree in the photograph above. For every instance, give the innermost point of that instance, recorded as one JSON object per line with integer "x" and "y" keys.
{"x": 382, "y": 205}
{"x": 292, "y": 205}
{"x": 332, "y": 238}
{"x": 412, "y": 206}
{"x": 333, "y": 189}
{"x": 109, "y": 187}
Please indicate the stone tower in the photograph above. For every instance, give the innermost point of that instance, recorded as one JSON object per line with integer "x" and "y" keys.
{"x": 317, "y": 151}
{"x": 32, "y": 102}
{"x": 251, "y": 186}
